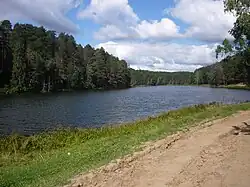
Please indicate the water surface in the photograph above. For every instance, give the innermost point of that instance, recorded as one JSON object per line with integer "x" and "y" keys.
{"x": 35, "y": 113}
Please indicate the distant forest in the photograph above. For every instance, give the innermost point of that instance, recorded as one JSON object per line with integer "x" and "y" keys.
{"x": 33, "y": 59}
{"x": 231, "y": 70}
{"x": 143, "y": 77}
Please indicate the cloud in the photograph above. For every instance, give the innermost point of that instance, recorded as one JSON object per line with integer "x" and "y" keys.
{"x": 206, "y": 19}
{"x": 119, "y": 21}
{"x": 162, "y": 56}
{"x": 111, "y": 12}
{"x": 165, "y": 28}
{"x": 49, "y": 13}
{"x": 110, "y": 32}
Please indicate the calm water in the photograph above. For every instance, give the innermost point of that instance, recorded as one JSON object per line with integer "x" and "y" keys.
{"x": 32, "y": 114}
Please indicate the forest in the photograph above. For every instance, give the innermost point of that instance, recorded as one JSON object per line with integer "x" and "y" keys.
{"x": 38, "y": 60}
{"x": 33, "y": 59}
{"x": 231, "y": 70}
{"x": 150, "y": 78}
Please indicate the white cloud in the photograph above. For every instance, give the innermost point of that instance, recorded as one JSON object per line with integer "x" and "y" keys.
{"x": 165, "y": 28}
{"x": 49, "y": 13}
{"x": 206, "y": 19}
{"x": 110, "y": 32}
{"x": 119, "y": 21}
{"x": 109, "y": 12}
{"x": 162, "y": 56}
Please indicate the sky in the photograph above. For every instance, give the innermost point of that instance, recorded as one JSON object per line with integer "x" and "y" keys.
{"x": 157, "y": 35}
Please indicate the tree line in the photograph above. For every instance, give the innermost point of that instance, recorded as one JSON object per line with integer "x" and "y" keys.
{"x": 150, "y": 78}
{"x": 231, "y": 70}
{"x": 35, "y": 59}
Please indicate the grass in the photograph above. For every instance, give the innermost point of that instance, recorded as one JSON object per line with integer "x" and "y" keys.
{"x": 237, "y": 87}
{"x": 230, "y": 86}
{"x": 43, "y": 160}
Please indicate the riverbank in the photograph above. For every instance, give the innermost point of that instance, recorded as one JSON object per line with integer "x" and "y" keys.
{"x": 231, "y": 86}
{"x": 237, "y": 87}
{"x": 51, "y": 159}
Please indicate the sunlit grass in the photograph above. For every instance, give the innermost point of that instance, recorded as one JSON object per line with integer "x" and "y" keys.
{"x": 237, "y": 87}
{"x": 51, "y": 158}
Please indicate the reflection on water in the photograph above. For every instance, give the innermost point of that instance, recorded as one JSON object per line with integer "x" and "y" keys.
{"x": 32, "y": 114}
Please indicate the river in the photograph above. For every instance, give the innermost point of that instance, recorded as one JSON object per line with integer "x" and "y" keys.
{"x": 31, "y": 114}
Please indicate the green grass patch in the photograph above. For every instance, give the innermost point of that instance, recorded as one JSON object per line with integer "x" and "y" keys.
{"x": 230, "y": 86}
{"x": 237, "y": 87}
{"x": 42, "y": 160}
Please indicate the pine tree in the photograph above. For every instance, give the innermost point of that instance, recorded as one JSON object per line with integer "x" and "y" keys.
{"x": 19, "y": 72}
{"x": 43, "y": 62}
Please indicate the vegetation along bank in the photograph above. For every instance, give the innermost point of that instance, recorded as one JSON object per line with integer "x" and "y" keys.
{"x": 52, "y": 158}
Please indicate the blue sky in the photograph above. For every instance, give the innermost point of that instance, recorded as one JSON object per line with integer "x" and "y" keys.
{"x": 149, "y": 11}
{"x": 161, "y": 35}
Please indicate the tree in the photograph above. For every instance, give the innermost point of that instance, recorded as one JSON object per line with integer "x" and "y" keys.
{"x": 113, "y": 64}
{"x": 124, "y": 75}
{"x": 19, "y": 73}
{"x": 216, "y": 75}
{"x": 6, "y": 28}
{"x": 5, "y": 52}
{"x": 88, "y": 54}
{"x": 240, "y": 32}
{"x": 143, "y": 77}
{"x": 99, "y": 69}
{"x": 44, "y": 62}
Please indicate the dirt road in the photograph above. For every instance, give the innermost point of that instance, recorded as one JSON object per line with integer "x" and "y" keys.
{"x": 207, "y": 156}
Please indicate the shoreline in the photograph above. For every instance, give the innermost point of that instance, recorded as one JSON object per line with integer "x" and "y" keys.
{"x": 65, "y": 91}
{"x": 232, "y": 86}
{"x": 54, "y": 158}
{"x": 235, "y": 87}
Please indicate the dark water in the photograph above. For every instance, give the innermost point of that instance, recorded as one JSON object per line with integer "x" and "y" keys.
{"x": 32, "y": 114}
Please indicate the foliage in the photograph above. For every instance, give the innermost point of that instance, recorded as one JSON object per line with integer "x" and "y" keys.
{"x": 43, "y": 62}
{"x": 231, "y": 70}
{"x": 143, "y": 77}
{"x": 241, "y": 33}
{"x": 5, "y": 53}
